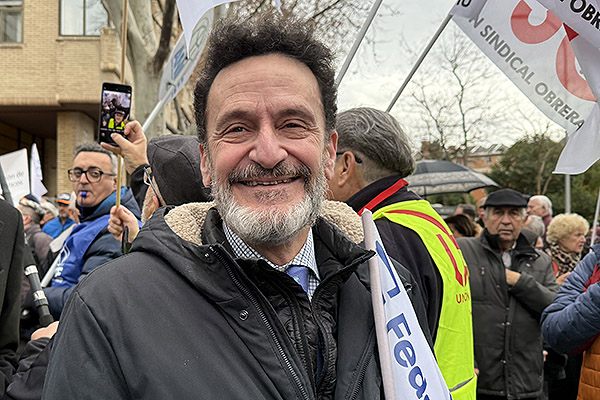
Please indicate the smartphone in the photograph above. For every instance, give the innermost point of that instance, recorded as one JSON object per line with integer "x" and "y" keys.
{"x": 115, "y": 111}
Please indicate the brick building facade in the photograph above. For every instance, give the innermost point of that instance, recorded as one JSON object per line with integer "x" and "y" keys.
{"x": 54, "y": 56}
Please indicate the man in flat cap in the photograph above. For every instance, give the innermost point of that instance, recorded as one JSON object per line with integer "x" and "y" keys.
{"x": 511, "y": 284}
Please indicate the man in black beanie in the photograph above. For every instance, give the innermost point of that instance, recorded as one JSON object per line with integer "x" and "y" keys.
{"x": 511, "y": 284}
{"x": 171, "y": 176}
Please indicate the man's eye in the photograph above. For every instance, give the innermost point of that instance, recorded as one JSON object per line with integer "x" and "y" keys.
{"x": 236, "y": 129}
{"x": 293, "y": 125}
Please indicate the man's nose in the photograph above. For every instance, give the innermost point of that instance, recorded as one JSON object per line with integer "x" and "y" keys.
{"x": 267, "y": 149}
{"x": 84, "y": 178}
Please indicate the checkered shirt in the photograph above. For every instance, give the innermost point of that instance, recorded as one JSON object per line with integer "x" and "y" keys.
{"x": 306, "y": 257}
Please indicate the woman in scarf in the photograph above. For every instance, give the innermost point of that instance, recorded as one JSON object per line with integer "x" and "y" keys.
{"x": 566, "y": 238}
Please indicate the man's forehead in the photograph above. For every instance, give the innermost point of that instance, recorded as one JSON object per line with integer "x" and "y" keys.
{"x": 92, "y": 159}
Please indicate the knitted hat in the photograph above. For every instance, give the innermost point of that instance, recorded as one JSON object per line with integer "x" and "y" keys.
{"x": 175, "y": 162}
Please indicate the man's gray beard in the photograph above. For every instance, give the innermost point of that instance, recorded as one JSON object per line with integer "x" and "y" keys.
{"x": 270, "y": 225}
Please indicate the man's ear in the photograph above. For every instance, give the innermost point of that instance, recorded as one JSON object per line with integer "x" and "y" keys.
{"x": 330, "y": 151}
{"x": 205, "y": 167}
{"x": 347, "y": 169}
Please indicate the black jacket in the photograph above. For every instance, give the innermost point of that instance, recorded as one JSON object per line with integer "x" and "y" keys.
{"x": 180, "y": 318}
{"x": 506, "y": 319}
{"x": 12, "y": 246}
{"x": 405, "y": 246}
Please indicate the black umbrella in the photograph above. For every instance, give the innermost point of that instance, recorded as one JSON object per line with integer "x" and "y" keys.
{"x": 440, "y": 177}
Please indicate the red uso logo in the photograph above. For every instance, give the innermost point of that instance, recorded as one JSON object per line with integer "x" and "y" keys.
{"x": 565, "y": 66}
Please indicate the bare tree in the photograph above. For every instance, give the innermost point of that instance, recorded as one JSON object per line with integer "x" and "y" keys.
{"x": 454, "y": 99}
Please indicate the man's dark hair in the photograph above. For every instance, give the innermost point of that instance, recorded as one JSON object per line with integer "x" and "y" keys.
{"x": 233, "y": 40}
{"x": 93, "y": 147}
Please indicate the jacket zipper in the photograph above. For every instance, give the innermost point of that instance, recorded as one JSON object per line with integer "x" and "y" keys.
{"x": 265, "y": 321}
{"x": 363, "y": 371}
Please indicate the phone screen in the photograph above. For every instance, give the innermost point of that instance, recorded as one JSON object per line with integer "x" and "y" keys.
{"x": 115, "y": 110}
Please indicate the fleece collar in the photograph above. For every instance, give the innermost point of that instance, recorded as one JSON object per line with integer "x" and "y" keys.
{"x": 187, "y": 220}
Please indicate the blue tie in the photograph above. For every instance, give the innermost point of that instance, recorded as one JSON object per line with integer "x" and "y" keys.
{"x": 300, "y": 275}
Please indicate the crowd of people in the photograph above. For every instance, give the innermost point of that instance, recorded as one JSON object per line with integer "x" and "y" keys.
{"x": 234, "y": 266}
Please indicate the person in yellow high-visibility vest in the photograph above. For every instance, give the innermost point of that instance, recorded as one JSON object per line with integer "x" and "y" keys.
{"x": 373, "y": 157}
{"x": 116, "y": 122}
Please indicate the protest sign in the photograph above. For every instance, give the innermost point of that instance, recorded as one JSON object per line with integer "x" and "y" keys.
{"x": 16, "y": 173}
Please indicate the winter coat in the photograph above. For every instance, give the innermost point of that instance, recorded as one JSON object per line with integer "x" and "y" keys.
{"x": 89, "y": 245}
{"x": 12, "y": 246}
{"x": 506, "y": 331}
{"x": 55, "y": 227}
{"x": 180, "y": 318}
{"x": 38, "y": 241}
{"x": 572, "y": 322}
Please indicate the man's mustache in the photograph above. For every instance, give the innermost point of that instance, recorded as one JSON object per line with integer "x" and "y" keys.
{"x": 255, "y": 170}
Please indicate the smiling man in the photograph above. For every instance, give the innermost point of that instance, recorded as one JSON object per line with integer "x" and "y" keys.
{"x": 511, "y": 284}
{"x": 89, "y": 244}
{"x": 259, "y": 295}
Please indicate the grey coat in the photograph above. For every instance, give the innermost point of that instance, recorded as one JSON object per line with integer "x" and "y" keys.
{"x": 506, "y": 331}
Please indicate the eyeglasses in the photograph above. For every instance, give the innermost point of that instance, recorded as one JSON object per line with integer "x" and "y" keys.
{"x": 358, "y": 160}
{"x": 148, "y": 181}
{"x": 93, "y": 174}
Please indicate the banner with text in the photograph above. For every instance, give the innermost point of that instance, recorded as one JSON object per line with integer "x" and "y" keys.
{"x": 583, "y": 16}
{"x": 529, "y": 44}
{"x": 468, "y": 8}
{"x": 16, "y": 172}
{"x": 415, "y": 372}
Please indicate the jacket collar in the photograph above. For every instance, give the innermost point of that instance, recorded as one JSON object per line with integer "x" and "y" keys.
{"x": 336, "y": 232}
{"x": 522, "y": 248}
{"x": 362, "y": 197}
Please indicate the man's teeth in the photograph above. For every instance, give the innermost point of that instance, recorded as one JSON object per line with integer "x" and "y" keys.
{"x": 254, "y": 183}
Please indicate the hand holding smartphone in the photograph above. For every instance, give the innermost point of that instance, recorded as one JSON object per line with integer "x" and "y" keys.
{"x": 115, "y": 111}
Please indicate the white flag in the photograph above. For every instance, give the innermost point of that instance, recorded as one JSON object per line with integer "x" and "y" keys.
{"x": 190, "y": 12}
{"x": 37, "y": 187}
{"x": 414, "y": 370}
{"x": 583, "y": 146}
{"x": 583, "y": 16}
{"x": 468, "y": 8}
{"x": 530, "y": 45}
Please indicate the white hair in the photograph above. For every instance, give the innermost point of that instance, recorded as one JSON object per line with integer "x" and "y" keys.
{"x": 544, "y": 201}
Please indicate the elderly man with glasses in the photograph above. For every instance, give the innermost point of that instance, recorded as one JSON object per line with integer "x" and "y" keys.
{"x": 90, "y": 244}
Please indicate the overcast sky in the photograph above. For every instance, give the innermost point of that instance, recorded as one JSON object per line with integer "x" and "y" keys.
{"x": 380, "y": 67}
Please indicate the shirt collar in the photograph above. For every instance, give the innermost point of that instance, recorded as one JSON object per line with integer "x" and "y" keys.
{"x": 306, "y": 256}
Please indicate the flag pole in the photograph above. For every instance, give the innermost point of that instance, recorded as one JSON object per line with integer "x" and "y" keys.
{"x": 420, "y": 60}
{"x": 595, "y": 224}
{"x": 383, "y": 346}
{"x": 359, "y": 38}
{"x": 123, "y": 52}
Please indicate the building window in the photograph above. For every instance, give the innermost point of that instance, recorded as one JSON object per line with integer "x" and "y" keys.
{"x": 82, "y": 17}
{"x": 11, "y": 21}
